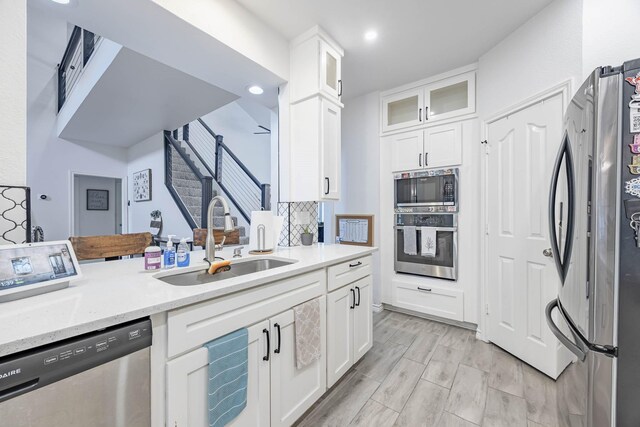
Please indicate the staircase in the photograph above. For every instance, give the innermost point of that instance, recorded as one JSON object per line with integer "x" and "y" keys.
{"x": 198, "y": 169}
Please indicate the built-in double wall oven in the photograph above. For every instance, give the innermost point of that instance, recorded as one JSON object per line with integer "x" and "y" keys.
{"x": 426, "y": 223}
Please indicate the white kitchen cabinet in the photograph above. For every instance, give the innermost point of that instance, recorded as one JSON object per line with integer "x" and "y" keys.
{"x": 187, "y": 378}
{"x": 450, "y": 97}
{"x": 442, "y": 99}
{"x": 277, "y": 392}
{"x": 443, "y": 146}
{"x": 407, "y": 150}
{"x": 349, "y": 327}
{"x": 316, "y": 66}
{"x": 294, "y": 390}
{"x": 434, "y": 147}
{"x": 315, "y": 150}
{"x": 363, "y": 318}
{"x": 402, "y": 110}
{"x": 340, "y": 333}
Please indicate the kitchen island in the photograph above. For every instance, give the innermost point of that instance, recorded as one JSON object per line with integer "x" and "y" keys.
{"x": 186, "y": 317}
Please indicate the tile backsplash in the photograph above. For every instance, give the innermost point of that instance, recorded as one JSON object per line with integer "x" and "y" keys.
{"x": 290, "y": 235}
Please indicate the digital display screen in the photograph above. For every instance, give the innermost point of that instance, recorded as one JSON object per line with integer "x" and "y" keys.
{"x": 36, "y": 264}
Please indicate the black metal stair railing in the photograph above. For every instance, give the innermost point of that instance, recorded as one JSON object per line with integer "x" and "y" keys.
{"x": 233, "y": 177}
{"x": 195, "y": 219}
{"x": 81, "y": 46}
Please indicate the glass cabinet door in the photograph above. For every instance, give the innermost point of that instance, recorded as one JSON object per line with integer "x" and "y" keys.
{"x": 450, "y": 97}
{"x": 331, "y": 75}
{"x": 402, "y": 110}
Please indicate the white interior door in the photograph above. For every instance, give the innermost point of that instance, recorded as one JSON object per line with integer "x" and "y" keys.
{"x": 521, "y": 280}
{"x": 188, "y": 375}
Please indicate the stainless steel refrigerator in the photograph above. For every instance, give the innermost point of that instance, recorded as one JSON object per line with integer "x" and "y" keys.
{"x": 593, "y": 208}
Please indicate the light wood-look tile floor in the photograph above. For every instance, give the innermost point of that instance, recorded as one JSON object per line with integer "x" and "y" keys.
{"x": 424, "y": 373}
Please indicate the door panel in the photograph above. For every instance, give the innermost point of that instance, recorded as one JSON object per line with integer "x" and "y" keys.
{"x": 339, "y": 333}
{"x": 443, "y": 145}
{"x": 187, "y": 378}
{"x": 522, "y": 280}
{"x": 294, "y": 390}
{"x": 362, "y": 318}
{"x": 406, "y": 151}
{"x": 330, "y": 151}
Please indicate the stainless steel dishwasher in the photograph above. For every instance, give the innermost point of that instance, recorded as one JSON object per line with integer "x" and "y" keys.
{"x": 99, "y": 379}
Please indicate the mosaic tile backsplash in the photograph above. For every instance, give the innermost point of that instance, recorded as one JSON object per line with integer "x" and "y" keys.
{"x": 290, "y": 235}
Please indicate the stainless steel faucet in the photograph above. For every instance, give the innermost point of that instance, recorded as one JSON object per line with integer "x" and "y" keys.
{"x": 210, "y": 245}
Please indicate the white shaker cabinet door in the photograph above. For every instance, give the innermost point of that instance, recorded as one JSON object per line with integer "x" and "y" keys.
{"x": 331, "y": 146}
{"x": 362, "y": 318}
{"x": 443, "y": 146}
{"x": 187, "y": 378}
{"x": 294, "y": 390}
{"x": 340, "y": 306}
{"x": 406, "y": 151}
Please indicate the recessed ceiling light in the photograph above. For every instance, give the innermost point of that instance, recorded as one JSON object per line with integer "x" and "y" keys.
{"x": 255, "y": 89}
{"x": 370, "y": 35}
{"x": 61, "y": 1}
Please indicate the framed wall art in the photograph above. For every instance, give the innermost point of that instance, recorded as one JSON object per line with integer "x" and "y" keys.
{"x": 142, "y": 186}
{"x": 97, "y": 200}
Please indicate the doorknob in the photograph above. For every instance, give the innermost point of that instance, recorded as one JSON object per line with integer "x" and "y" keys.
{"x": 548, "y": 253}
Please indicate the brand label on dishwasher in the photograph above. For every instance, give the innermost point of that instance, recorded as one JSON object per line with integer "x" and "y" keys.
{"x": 134, "y": 334}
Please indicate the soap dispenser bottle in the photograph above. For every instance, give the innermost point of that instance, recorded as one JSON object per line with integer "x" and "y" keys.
{"x": 183, "y": 256}
{"x": 170, "y": 253}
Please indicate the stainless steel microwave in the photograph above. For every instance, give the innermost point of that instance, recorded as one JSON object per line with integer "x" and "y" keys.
{"x": 426, "y": 191}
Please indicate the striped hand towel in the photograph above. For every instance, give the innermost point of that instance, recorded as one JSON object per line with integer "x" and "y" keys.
{"x": 228, "y": 371}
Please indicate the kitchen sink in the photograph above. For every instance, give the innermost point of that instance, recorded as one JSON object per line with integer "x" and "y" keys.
{"x": 238, "y": 268}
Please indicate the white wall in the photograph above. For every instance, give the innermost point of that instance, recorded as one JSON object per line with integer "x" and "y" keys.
{"x": 13, "y": 88}
{"x": 50, "y": 159}
{"x": 542, "y": 53}
{"x": 93, "y": 222}
{"x": 610, "y": 33}
{"x": 237, "y": 127}
{"x": 149, "y": 154}
{"x": 360, "y": 191}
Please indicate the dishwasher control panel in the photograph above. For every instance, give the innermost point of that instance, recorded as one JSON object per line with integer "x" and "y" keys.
{"x": 38, "y": 367}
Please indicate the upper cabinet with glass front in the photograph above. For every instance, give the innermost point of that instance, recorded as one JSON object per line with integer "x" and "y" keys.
{"x": 316, "y": 66}
{"x": 441, "y": 99}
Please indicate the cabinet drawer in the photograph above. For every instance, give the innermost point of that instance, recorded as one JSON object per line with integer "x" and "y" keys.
{"x": 192, "y": 326}
{"x": 442, "y": 302}
{"x": 348, "y": 272}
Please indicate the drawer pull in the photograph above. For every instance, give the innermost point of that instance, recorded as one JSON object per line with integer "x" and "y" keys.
{"x": 424, "y": 289}
{"x": 357, "y": 264}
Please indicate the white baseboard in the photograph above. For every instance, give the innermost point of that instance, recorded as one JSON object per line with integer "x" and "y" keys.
{"x": 377, "y": 308}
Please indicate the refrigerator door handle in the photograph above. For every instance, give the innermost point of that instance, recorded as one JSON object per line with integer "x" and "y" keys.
{"x": 562, "y": 263}
{"x": 574, "y": 348}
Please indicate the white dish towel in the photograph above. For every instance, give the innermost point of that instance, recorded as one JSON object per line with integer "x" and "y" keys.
{"x": 429, "y": 241}
{"x": 410, "y": 241}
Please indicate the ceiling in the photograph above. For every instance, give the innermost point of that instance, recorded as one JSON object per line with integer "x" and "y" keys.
{"x": 417, "y": 38}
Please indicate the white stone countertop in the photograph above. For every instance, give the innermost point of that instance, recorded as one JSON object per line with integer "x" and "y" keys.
{"x": 109, "y": 293}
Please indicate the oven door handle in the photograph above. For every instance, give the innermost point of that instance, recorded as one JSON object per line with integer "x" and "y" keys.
{"x": 401, "y": 227}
